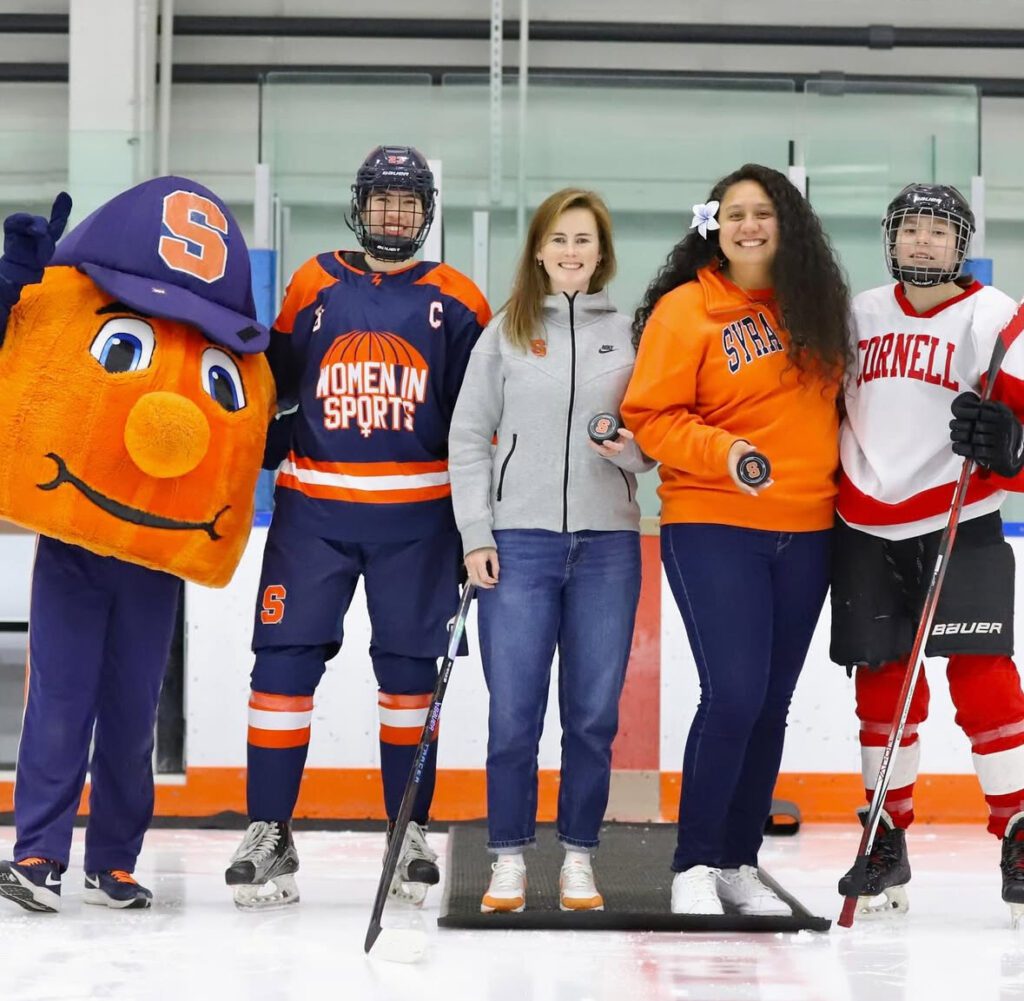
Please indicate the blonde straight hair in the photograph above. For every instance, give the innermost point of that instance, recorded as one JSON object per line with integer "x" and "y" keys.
{"x": 525, "y": 307}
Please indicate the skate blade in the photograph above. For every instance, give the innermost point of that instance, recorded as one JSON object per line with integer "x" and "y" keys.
{"x": 410, "y": 894}
{"x": 400, "y": 945}
{"x": 272, "y": 895}
{"x": 892, "y": 900}
{"x": 1016, "y": 916}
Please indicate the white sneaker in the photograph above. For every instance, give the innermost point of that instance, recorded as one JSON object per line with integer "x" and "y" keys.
{"x": 507, "y": 891}
{"x": 577, "y": 890}
{"x": 743, "y": 889}
{"x": 694, "y": 891}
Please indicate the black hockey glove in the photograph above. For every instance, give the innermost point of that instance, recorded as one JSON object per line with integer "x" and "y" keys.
{"x": 279, "y": 434}
{"x": 989, "y": 433}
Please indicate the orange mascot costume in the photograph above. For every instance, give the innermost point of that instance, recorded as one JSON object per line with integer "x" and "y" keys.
{"x": 133, "y": 417}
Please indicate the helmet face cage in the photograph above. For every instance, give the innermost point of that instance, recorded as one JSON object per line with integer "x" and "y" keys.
{"x": 391, "y": 169}
{"x": 937, "y": 219}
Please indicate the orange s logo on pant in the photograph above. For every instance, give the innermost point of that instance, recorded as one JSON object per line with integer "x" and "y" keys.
{"x": 193, "y": 236}
{"x": 273, "y": 604}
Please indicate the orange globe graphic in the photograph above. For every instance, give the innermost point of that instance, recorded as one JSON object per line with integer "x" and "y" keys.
{"x": 373, "y": 345}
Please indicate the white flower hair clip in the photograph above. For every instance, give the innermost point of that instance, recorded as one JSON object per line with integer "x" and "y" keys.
{"x": 704, "y": 218}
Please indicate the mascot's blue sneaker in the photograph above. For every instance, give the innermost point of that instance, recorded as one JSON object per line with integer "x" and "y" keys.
{"x": 34, "y": 883}
{"x": 115, "y": 888}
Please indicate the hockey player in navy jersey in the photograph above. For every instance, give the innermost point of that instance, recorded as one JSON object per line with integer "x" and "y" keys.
{"x": 923, "y": 348}
{"x": 372, "y": 347}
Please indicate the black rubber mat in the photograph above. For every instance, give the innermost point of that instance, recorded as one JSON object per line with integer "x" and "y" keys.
{"x": 632, "y": 874}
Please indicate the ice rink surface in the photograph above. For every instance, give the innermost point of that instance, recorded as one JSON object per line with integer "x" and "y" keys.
{"x": 956, "y": 942}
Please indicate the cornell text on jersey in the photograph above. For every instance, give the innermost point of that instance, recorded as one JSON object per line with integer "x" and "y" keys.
{"x": 907, "y": 356}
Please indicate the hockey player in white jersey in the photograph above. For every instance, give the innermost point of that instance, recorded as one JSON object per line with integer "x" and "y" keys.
{"x": 923, "y": 347}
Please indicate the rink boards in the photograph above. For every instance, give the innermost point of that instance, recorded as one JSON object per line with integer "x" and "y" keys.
{"x": 819, "y": 767}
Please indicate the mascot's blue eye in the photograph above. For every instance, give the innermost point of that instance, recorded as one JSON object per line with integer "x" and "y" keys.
{"x": 121, "y": 353}
{"x": 222, "y": 388}
{"x": 222, "y": 380}
{"x": 124, "y": 344}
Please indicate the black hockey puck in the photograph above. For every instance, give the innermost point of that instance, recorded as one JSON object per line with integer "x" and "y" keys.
{"x": 753, "y": 469}
{"x": 603, "y": 427}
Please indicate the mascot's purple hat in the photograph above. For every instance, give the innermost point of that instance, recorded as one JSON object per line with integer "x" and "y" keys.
{"x": 171, "y": 248}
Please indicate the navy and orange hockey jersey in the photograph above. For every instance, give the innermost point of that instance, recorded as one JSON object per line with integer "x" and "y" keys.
{"x": 375, "y": 362}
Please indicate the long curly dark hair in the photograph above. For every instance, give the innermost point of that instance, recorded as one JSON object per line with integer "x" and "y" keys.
{"x": 809, "y": 285}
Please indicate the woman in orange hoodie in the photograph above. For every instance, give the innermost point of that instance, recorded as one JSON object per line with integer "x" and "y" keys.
{"x": 742, "y": 340}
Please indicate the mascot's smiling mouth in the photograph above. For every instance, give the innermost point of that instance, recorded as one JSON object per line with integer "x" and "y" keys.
{"x": 123, "y": 511}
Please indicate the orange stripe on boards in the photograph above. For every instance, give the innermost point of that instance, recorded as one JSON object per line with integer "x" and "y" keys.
{"x": 364, "y": 496}
{"x": 278, "y": 738}
{"x": 280, "y": 703}
{"x": 833, "y": 798}
{"x": 637, "y": 743}
{"x": 404, "y": 735}
{"x": 404, "y": 701}
{"x": 369, "y": 468}
{"x": 355, "y": 794}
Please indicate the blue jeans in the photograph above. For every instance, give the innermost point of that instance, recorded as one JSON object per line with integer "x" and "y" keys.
{"x": 578, "y": 592}
{"x": 750, "y": 600}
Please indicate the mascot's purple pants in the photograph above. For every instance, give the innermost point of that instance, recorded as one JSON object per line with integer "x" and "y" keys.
{"x": 100, "y": 633}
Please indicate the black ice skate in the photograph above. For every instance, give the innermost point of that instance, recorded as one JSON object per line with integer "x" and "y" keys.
{"x": 1012, "y": 865}
{"x": 261, "y": 871}
{"x": 417, "y": 868}
{"x": 888, "y": 870}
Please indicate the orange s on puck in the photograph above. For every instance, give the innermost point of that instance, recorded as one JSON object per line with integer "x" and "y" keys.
{"x": 753, "y": 469}
{"x": 603, "y": 427}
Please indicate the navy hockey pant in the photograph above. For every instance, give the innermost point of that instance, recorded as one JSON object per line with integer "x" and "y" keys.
{"x": 306, "y": 587}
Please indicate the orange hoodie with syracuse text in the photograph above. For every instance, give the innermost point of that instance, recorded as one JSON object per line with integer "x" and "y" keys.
{"x": 712, "y": 368}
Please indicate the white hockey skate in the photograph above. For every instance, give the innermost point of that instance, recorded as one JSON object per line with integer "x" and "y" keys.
{"x": 888, "y": 871}
{"x": 417, "y": 868}
{"x": 261, "y": 870}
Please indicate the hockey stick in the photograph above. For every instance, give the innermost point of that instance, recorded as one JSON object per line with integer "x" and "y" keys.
{"x": 404, "y": 948}
{"x": 858, "y": 874}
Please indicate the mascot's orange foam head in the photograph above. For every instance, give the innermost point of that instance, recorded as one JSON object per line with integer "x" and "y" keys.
{"x": 135, "y": 395}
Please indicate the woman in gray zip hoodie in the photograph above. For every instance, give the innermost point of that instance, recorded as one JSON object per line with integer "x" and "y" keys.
{"x": 550, "y": 529}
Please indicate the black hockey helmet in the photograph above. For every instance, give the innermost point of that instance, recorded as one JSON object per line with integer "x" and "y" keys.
{"x": 940, "y": 201}
{"x": 392, "y": 167}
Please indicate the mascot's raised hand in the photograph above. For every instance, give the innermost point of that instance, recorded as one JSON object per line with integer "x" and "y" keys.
{"x": 29, "y": 243}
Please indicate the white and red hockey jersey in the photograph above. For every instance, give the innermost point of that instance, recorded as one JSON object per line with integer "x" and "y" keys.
{"x": 898, "y": 468}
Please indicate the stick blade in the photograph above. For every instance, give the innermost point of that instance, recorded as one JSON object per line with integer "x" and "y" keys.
{"x": 849, "y": 909}
{"x": 371, "y": 935}
{"x": 397, "y": 945}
